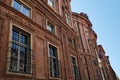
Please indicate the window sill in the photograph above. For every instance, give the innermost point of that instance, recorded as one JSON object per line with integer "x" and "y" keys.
{"x": 55, "y": 78}
{"x": 23, "y": 75}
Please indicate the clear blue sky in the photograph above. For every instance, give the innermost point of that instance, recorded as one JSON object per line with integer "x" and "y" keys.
{"x": 105, "y": 17}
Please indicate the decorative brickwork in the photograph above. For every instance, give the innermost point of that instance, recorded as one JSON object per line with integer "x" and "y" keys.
{"x": 66, "y": 51}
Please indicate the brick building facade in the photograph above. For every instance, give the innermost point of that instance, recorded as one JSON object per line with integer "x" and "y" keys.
{"x": 108, "y": 72}
{"x": 45, "y": 40}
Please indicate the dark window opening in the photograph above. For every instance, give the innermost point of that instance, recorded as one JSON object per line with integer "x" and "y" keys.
{"x": 54, "y": 62}
{"x": 20, "y": 57}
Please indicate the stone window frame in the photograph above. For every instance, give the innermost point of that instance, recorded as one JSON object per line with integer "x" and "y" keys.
{"x": 68, "y": 19}
{"x": 52, "y": 25}
{"x": 9, "y": 52}
{"x": 73, "y": 67}
{"x": 23, "y": 5}
{"x": 59, "y": 75}
{"x": 54, "y": 4}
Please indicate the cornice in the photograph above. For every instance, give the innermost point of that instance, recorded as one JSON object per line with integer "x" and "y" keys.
{"x": 101, "y": 47}
{"x": 82, "y": 16}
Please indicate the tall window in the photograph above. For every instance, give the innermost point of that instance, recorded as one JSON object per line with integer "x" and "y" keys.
{"x": 68, "y": 18}
{"x": 75, "y": 69}
{"x": 21, "y": 7}
{"x": 20, "y": 57}
{"x": 54, "y": 63}
{"x": 51, "y": 3}
{"x": 50, "y": 27}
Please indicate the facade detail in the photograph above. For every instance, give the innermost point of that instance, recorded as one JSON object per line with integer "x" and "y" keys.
{"x": 20, "y": 52}
{"x": 45, "y": 40}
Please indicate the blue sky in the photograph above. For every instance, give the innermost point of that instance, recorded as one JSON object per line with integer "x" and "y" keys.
{"x": 105, "y": 17}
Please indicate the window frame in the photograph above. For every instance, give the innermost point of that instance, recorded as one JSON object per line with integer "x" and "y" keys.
{"x": 59, "y": 74}
{"x": 67, "y": 17}
{"x": 10, "y": 47}
{"x": 51, "y": 3}
{"x": 73, "y": 66}
{"x": 23, "y": 5}
{"x": 53, "y": 29}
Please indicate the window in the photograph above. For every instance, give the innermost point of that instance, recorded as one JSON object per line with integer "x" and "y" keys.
{"x": 75, "y": 69}
{"x": 54, "y": 63}
{"x": 70, "y": 42}
{"x": 51, "y": 3}
{"x": 20, "y": 56}
{"x": 50, "y": 27}
{"x": 21, "y": 7}
{"x": 68, "y": 18}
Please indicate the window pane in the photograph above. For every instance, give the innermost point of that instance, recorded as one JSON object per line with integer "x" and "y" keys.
{"x": 26, "y": 11}
{"x": 21, "y": 7}
{"x": 51, "y": 3}
{"x": 51, "y": 27}
{"x": 17, "y": 5}
{"x": 14, "y": 57}
{"x": 15, "y": 36}
{"x": 23, "y": 39}
{"x": 23, "y": 56}
{"x": 73, "y": 61}
{"x": 53, "y": 51}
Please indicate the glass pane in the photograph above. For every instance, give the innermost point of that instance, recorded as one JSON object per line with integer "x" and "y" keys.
{"x": 15, "y": 36}
{"x": 50, "y": 27}
{"x": 53, "y": 52}
{"x": 23, "y": 39}
{"x": 14, "y": 57}
{"x": 51, "y": 3}
{"x": 17, "y": 5}
{"x": 26, "y": 11}
{"x": 14, "y": 46}
{"x": 23, "y": 58}
{"x": 73, "y": 61}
